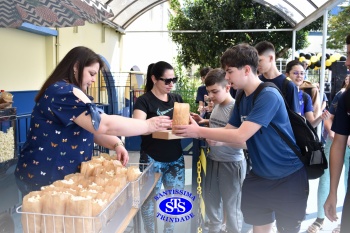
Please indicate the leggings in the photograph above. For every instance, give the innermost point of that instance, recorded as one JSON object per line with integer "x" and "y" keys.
{"x": 173, "y": 177}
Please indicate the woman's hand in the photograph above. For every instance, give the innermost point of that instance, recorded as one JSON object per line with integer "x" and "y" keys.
{"x": 158, "y": 123}
{"x": 122, "y": 154}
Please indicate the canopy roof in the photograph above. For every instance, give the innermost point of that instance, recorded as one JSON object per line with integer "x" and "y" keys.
{"x": 298, "y": 13}
{"x": 127, "y": 11}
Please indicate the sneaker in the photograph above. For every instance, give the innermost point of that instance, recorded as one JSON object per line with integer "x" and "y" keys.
{"x": 223, "y": 228}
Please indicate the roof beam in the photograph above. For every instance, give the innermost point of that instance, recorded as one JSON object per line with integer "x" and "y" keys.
{"x": 221, "y": 31}
{"x": 317, "y": 14}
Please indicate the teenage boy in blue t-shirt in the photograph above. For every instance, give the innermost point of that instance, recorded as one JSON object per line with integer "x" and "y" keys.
{"x": 277, "y": 187}
{"x": 341, "y": 128}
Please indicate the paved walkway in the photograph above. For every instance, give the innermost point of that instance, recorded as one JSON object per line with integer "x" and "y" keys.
{"x": 311, "y": 209}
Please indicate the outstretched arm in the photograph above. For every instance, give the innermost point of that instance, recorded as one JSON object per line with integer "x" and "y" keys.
{"x": 335, "y": 167}
{"x": 118, "y": 125}
{"x": 236, "y": 137}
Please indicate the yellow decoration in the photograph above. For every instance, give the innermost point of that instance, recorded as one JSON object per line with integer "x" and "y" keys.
{"x": 314, "y": 59}
{"x": 308, "y": 62}
{"x": 337, "y": 56}
{"x": 319, "y": 55}
{"x": 301, "y": 59}
{"x": 333, "y": 58}
{"x": 328, "y": 62}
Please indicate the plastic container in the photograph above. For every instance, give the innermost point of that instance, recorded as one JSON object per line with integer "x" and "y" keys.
{"x": 108, "y": 221}
{"x": 6, "y": 99}
{"x": 141, "y": 187}
{"x": 8, "y": 147}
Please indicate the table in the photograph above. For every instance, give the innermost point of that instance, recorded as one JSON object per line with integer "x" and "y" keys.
{"x": 134, "y": 213}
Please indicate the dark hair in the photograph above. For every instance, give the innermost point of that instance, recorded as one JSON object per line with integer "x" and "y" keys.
{"x": 204, "y": 71}
{"x": 292, "y": 63}
{"x": 216, "y": 76}
{"x": 156, "y": 69}
{"x": 264, "y": 46}
{"x": 239, "y": 56}
{"x": 81, "y": 56}
{"x": 348, "y": 39}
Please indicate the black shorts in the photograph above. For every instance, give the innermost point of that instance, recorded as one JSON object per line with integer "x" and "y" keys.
{"x": 283, "y": 200}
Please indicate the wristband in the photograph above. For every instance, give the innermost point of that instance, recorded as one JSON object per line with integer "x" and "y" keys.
{"x": 118, "y": 144}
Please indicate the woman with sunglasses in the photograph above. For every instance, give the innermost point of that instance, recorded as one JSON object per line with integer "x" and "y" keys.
{"x": 166, "y": 155}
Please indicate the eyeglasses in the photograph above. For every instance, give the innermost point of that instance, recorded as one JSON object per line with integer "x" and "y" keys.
{"x": 297, "y": 73}
{"x": 167, "y": 81}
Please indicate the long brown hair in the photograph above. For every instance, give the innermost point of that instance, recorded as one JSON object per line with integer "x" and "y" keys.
{"x": 79, "y": 56}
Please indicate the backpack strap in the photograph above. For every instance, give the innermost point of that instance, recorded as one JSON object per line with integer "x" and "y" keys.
{"x": 284, "y": 86}
{"x": 289, "y": 111}
{"x": 305, "y": 99}
{"x": 268, "y": 84}
{"x": 239, "y": 95}
{"x": 286, "y": 140}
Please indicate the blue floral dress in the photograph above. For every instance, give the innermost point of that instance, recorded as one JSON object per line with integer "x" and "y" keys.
{"x": 55, "y": 145}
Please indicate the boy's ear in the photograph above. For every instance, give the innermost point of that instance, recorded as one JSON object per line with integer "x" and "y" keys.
{"x": 228, "y": 88}
{"x": 247, "y": 70}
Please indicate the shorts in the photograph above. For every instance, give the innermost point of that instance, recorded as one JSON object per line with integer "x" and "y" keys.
{"x": 283, "y": 200}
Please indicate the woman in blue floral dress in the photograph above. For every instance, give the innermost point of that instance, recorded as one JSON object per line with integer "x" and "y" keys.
{"x": 65, "y": 124}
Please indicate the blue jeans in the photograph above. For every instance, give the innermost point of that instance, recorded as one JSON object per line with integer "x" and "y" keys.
{"x": 173, "y": 177}
{"x": 324, "y": 182}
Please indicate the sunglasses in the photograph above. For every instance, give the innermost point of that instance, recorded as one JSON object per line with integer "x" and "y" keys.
{"x": 167, "y": 81}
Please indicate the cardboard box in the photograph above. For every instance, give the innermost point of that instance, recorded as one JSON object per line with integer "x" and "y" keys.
{"x": 166, "y": 135}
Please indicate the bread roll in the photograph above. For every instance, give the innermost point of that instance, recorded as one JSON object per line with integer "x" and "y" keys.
{"x": 181, "y": 114}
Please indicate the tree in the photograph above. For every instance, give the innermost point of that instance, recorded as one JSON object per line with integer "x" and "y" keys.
{"x": 338, "y": 29}
{"x": 210, "y": 16}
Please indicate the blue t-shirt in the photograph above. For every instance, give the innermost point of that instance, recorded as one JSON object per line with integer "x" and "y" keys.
{"x": 334, "y": 104}
{"x": 341, "y": 122}
{"x": 55, "y": 145}
{"x": 201, "y": 91}
{"x": 291, "y": 92}
{"x": 271, "y": 157}
{"x": 305, "y": 107}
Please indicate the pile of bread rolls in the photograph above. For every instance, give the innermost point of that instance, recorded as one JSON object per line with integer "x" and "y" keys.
{"x": 66, "y": 205}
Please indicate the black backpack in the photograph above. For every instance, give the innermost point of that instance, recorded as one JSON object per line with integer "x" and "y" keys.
{"x": 311, "y": 151}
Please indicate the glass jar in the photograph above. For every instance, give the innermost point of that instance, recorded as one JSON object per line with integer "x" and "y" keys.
{"x": 8, "y": 149}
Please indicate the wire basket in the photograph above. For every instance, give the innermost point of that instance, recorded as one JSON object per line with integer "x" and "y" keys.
{"x": 108, "y": 221}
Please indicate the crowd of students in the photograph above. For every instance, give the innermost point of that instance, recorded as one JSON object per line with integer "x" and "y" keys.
{"x": 276, "y": 189}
